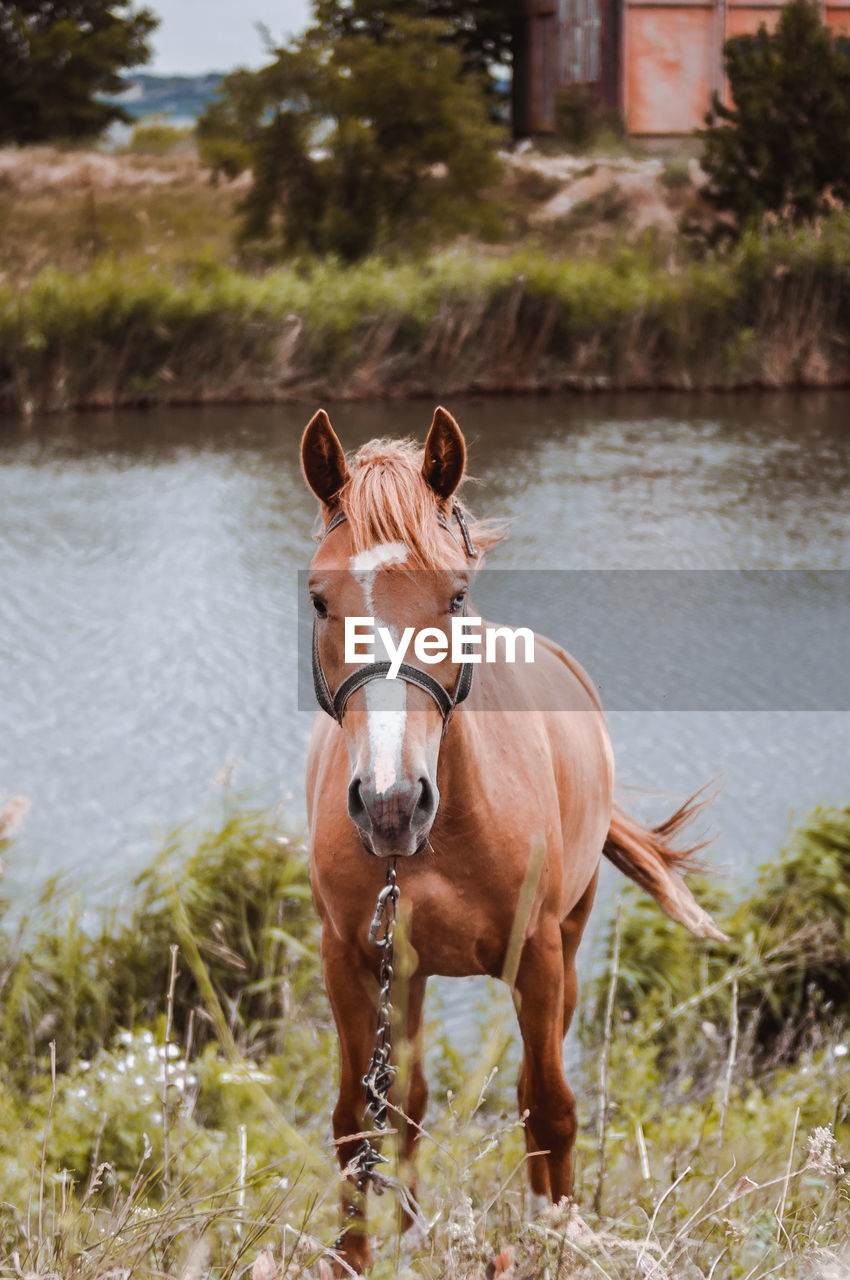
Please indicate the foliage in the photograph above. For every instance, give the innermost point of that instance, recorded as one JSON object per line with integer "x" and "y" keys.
{"x": 356, "y": 143}
{"x": 240, "y": 904}
{"x": 59, "y": 57}
{"x": 787, "y": 942}
{"x": 784, "y": 145}
{"x": 155, "y": 137}
{"x": 484, "y": 30}
{"x": 151, "y": 1158}
{"x": 581, "y": 119}
{"x": 770, "y": 311}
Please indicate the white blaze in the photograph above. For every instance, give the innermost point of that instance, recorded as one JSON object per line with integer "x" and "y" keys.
{"x": 386, "y": 700}
{"x": 365, "y": 564}
{"x": 386, "y": 709}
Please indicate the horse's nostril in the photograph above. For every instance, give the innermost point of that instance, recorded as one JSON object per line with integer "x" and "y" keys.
{"x": 357, "y": 810}
{"x": 426, "y": 805}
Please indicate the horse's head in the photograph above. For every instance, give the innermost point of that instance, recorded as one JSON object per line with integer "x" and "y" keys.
{"x": 391, "y": 550}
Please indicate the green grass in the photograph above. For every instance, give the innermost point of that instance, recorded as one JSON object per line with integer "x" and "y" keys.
{"x": 720, "y": 1159}
{"x": 772, "y": 311}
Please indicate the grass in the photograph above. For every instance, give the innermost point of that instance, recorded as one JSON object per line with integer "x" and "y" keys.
{"x": 770, "y": 312}
{"x": 156, "y": 210}
{"x": 136, "y": 295}
{"x": 189, "y": 1136}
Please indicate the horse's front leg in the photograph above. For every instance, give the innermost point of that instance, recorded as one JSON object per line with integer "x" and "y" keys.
{"x": 347, "y": 983}
{"x": 416, "y": 1093}
{"x": 543, "y": 1091}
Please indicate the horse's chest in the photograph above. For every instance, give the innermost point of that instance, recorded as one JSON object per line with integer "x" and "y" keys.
{"x": 461, "y": 925}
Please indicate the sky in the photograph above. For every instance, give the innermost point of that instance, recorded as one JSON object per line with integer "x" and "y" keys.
{"x": 217, "y": 35}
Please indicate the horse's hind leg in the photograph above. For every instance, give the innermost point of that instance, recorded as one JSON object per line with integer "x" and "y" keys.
{"x": 348, "y": 988}
{"x": 543, "y": 1091}
{"x": 571, "y": 931}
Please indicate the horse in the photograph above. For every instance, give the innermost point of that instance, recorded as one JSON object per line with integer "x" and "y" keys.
{"x": 459, "y": 780}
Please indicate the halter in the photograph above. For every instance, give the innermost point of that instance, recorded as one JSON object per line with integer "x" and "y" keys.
{"x": 334, "y": 703}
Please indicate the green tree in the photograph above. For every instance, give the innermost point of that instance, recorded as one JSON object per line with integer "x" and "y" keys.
{"x": 57, "y": 57}
{"x": 483, "y": 30}
{"x": 784, "y": 144}
{"x": 357, "y": 143}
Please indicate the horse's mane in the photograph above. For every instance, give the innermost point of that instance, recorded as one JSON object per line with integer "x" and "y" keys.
{"x": 387, "y": 499}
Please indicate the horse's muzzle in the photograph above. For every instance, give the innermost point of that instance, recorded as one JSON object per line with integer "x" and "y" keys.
{"x": 395, "y": 822}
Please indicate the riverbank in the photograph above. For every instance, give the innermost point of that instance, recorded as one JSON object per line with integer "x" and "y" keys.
{"x": 155, "y": 308}
{"x": 187, "y": 1134}
{"x": 773, "y": 313}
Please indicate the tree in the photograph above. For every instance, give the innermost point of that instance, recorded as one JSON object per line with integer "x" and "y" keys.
{"x": 488, "y": 33}
{"x": 785, "y": 143}
{"x": 483, "y": 30}
{"x": 356, "y": 143}
{"x": 57, "y": 57}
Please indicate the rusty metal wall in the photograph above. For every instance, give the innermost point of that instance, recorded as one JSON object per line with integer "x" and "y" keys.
{"x": 658, "y": 61}
{"x": 672, "y": 56}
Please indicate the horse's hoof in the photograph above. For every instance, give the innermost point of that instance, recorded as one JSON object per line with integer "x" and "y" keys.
{"x": 535, "y": 1204}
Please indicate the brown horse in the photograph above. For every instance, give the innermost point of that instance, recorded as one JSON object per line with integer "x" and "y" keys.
{"x": 460, "y": 793}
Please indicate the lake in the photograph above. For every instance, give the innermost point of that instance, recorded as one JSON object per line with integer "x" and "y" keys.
{"x": 148, "y": 601}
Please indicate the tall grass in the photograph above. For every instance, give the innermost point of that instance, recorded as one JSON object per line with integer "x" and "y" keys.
{"x": 772, "y": 311}
{"x": 206, "y": 1152}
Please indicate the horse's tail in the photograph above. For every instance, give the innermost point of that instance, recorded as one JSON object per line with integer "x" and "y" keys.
{"x": 647, "y": 856}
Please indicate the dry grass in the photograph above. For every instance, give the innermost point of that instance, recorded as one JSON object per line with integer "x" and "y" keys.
{"x": 66, "y": 209}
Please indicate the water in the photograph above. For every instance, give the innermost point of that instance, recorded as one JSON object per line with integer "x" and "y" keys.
{"x": 148, "y": 598}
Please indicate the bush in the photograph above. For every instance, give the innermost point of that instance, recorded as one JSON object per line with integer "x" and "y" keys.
{"x": 582, "y": 120}
{"x": 788, "y": 942}
{"x": 784, "y": 146}
{"x": 237, "y": 901}
{"x": 155, "y": 137}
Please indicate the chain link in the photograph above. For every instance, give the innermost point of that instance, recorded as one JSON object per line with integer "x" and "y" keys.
{"x": 381, "y": 1072}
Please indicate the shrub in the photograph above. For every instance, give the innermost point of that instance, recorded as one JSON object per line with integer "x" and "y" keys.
{"x": 235, "y": 898}
{"x": 581, "y": 119}
{"x": 784, "y": 145}
{"x": 788, "y": 940}
{"x": 155, "y": 137}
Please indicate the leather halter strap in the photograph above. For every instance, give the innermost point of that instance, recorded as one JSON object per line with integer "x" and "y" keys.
{"x": 334, "y": 703}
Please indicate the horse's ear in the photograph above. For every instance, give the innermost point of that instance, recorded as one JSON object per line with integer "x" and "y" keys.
{"x": 445, "y": 454}
{"x": 322, "y": 459}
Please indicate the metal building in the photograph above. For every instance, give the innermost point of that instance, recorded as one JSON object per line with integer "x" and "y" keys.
{"x": 657, "y": 61}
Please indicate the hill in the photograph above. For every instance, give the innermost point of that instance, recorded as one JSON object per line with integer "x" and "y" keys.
{"x": 180, "y": 98}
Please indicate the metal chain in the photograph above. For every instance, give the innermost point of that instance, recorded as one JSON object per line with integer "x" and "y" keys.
{"x": 381, "y": 1072}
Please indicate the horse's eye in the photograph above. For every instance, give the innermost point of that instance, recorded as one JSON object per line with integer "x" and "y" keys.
{"x": 458, "y": 602}
{"x": 320, "y": 606}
